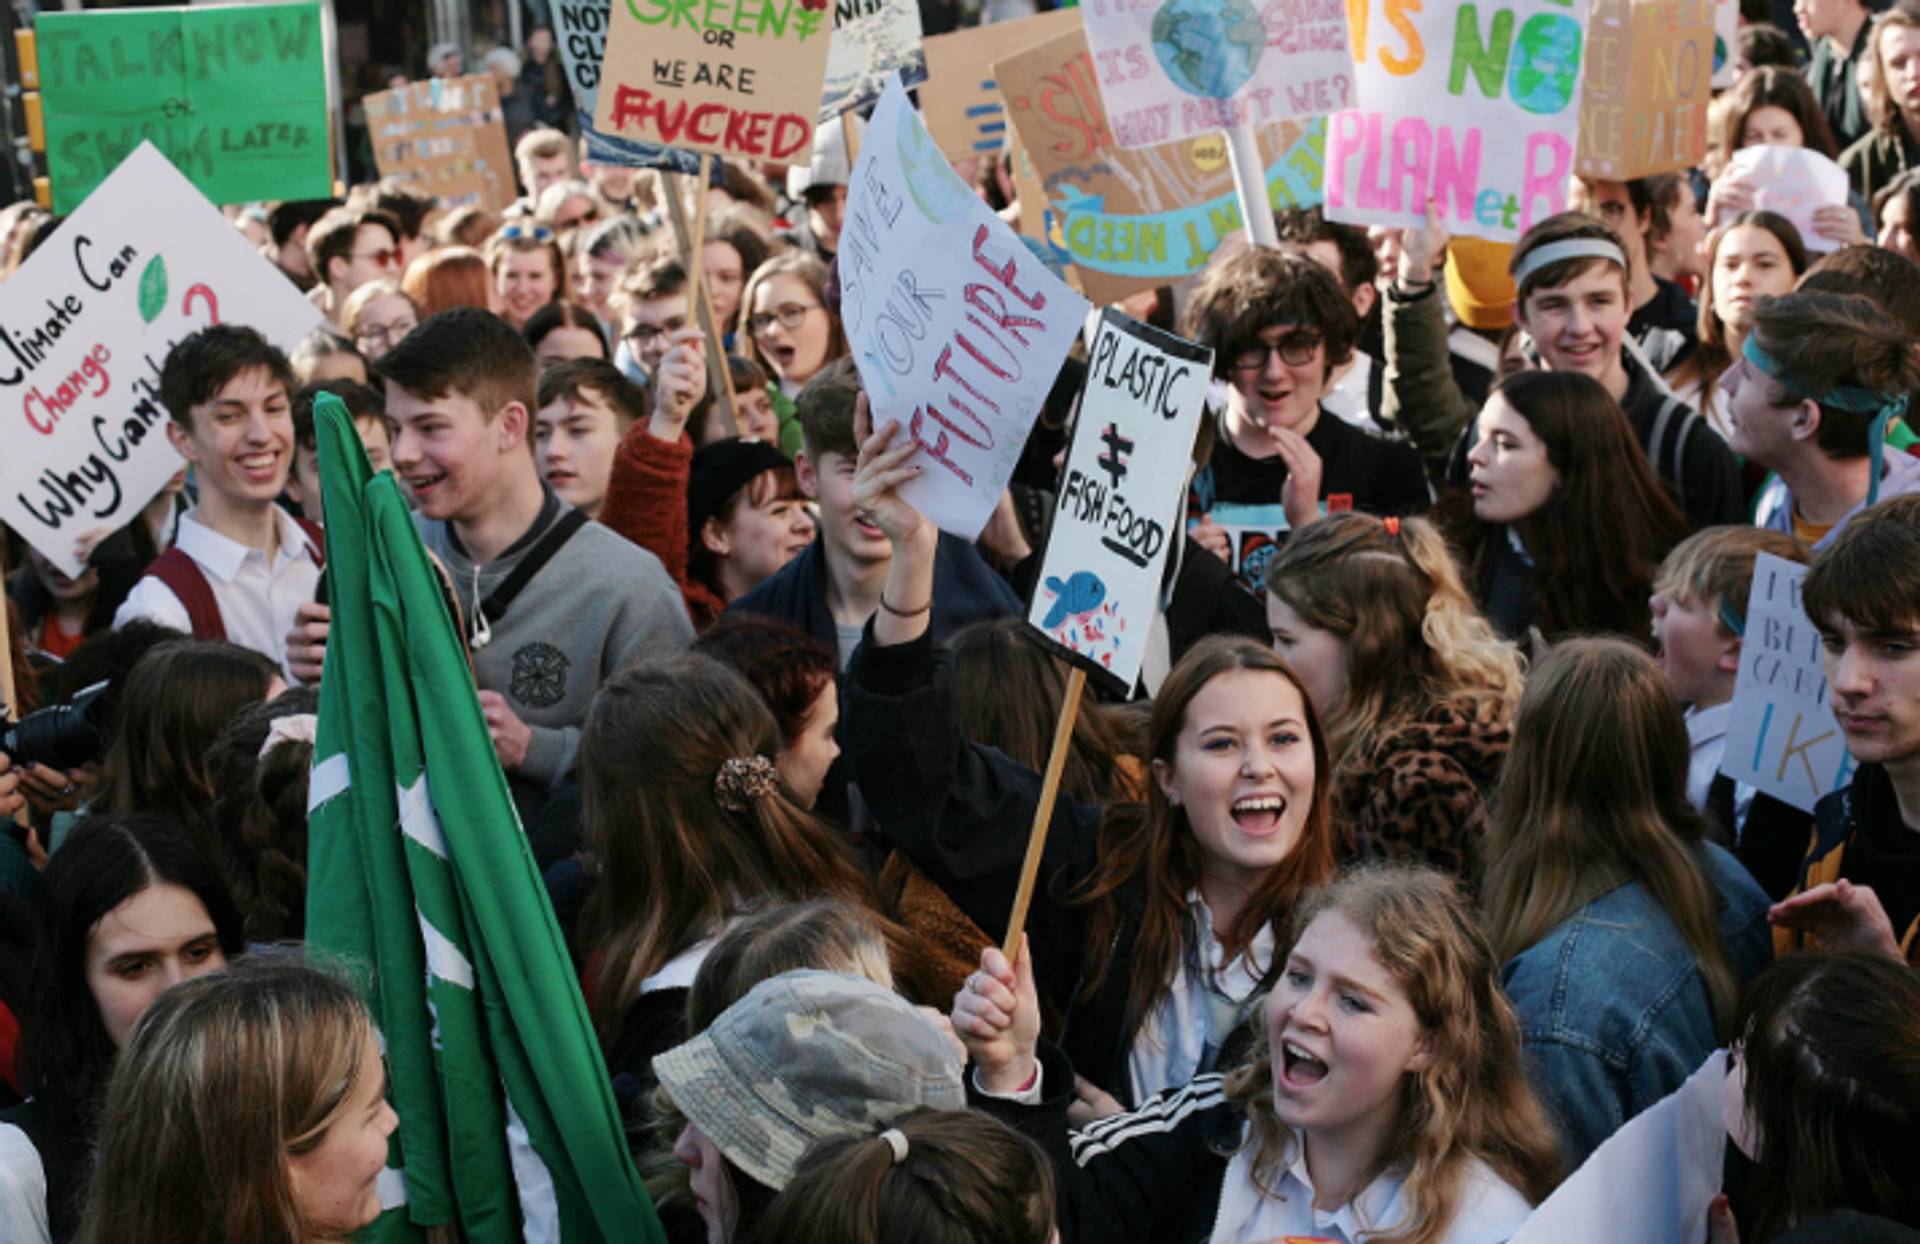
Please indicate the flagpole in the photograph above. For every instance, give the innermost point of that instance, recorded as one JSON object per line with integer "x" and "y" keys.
{"x": 1249, "y": 184}
{"x": 1043, "y": 814}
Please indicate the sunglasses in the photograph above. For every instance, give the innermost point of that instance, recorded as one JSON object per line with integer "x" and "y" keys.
{"x": 387, "y": 258}
{"x": 526, "y": 233}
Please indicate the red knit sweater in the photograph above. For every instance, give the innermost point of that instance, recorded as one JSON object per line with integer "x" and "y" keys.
{"x": 647, "y": 503}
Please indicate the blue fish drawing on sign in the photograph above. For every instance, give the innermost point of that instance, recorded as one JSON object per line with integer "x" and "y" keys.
{"x": 1080, "y": 595}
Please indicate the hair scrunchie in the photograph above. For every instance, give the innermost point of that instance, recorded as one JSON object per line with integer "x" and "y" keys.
{"x": 743, "y": 779}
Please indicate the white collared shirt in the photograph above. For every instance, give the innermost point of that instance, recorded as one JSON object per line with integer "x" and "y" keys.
{"x": 1489, "y": 1209}
{"x": 1707, "y": 732}
{"x": 257, "y": 601}
{"x": 1192, "y": 1022}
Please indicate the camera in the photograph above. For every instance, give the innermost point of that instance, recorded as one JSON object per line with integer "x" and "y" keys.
{"x": 61, "y": 736}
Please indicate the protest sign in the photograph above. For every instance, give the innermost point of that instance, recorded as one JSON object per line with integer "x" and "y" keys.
{"x": 872, "y": 39}
{"x": 1670, "y": 1155}
{"x": 737, "y": 78}
{"x": 235, "y": 96}
{"x": 960, "y": 100}
{"x": 447, "y": 135}
{"x": 1121, "y": 496}
{"x": 1477, "y": 108}
{"x": 1172, "y": 69}
{"x": 1254, "y": 535}
{"x": 1783, "y": 739}
{"x": 580, "y": 33}
{"x": 1726, "y": 36}
{"x": 86, "y": 324}
{"x": 1132, "y": 220}
{"x": 1795, "y": 182}
{"x": 958, "y": 331}
{"x": 1649, "y": 77}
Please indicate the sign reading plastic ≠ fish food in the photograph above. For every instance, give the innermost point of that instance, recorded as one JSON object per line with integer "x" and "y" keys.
{"x": 1122, "y": 495}
{"x": 957, "y": 328}
{"x": 1474, "y": 105}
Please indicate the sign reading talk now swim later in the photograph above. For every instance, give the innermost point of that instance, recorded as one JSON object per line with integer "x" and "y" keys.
{"x": 86, "y": 324}
{"x": 1122, "y": 496}
{"x": 957, "y": 328}
{"x": 1475, "y": 105}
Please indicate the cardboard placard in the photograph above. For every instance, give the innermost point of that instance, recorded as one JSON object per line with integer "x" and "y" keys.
{"x": 961, "y": 101}
{"x": 1795, "y": 182}
{"x": 1649, "y": 78}
{"x": 446, "y": 134}
{"x": 872, "y": 40}
{"x": 737, "y": 78}
{"x": 86, "y": 324}
{"x": 1132, "y": 220}
{"x": 1476, "y": 107}
{"x": 1783, "y": 739}
{"x": 235, "y": 96}
{"x": 1121, "y": 496}
{"x": 580, "y": 34}
{"x": 1179, "y": 69}
{"x": 958, "y": 331}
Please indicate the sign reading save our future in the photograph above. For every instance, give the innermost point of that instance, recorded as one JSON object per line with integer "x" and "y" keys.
{"x": 1121, "y": 496}
{"x": 1473, "y": 105}
{"x": 235, "y": 96}
{"x": 85, "y": 325}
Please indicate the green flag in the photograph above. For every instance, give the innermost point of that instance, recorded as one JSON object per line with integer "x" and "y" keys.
{"x": 419, "y": 870}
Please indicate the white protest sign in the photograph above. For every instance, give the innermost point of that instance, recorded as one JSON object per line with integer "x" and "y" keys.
{"x": 1783, "y": 739}
{"x": 85, "y": 326}
{"x": 957, "y": 329}
{"x": 1726, "y": 40}
{"x": 1795, "y": 182}
{"x": 1174, "y": 69}
{"x": 580, "y": 34}
{"x": 1670, "y": 1155}
{"x": 1477, "y": 108}
{"x": 871, "y": 40}
{"x": 1122, "y": 494}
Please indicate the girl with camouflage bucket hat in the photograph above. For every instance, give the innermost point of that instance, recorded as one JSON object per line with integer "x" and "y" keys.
{"x": 802, "y": 1057}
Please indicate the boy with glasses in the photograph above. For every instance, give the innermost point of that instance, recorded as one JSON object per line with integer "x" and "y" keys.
{"x": 653, "y": 309}
{"x": 1280, "y": 327}
{"x": 349, "y": 247}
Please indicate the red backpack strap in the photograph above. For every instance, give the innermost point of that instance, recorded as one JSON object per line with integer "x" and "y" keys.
{"x": 184, "y": 578}
{"x": 316, "y": 540}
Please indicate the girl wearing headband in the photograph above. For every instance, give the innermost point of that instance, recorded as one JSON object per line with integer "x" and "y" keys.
{"x": 1819, "y": 378}
{"x": 1416, "y": 689}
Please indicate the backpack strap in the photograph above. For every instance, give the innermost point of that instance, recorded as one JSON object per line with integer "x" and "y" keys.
{"x": 1672, "y": 463}
{"x": 494, "y": 607}
{"x": 184, "y": 578}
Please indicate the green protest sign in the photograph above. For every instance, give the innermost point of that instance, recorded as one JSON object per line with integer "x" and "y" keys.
{"x": 235, "y": 96}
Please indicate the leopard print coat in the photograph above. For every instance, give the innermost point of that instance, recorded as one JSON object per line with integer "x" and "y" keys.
{"x": 1419, "y": 792}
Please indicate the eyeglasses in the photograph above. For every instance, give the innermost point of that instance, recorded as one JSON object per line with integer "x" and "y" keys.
{"x": 643, "y": 335}
{"x": 388, "y": 258}
{"x": 526, "y": 233}
{"x": 791, "y": 317}
{"x": 1295, "y": 350}
{"x": 591, "y": 216}
{"x": 384, "y": 334}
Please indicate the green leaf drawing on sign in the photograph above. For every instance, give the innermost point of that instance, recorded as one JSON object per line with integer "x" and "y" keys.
{"x": 153, "y": 289}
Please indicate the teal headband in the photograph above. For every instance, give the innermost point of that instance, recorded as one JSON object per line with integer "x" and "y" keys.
{"x": 1882, "y": 406}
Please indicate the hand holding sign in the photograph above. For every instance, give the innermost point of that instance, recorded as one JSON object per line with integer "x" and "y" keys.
{"x": 1796, "y": 182}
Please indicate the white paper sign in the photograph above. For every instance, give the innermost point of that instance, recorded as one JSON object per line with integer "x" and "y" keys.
{"x": 85, "y": 326}
{"x": 1651, "y": 1180}
{"x": 1783, "y": 738}
{"x": 957, "y": 329}
{"x": 1795, "y": 182}
{"x": 1476, "y": 107}
{"x": 1726, "y": 42}
{"x": 1121, "y": 497}
{"x": 871, "y": 40}
{"x": 1175, "y": 69}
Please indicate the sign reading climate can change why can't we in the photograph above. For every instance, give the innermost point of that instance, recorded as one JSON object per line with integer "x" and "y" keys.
{"x": 1121, "y": 496}
{"x": 957, "y": 328}
{"x": 581, "y": 35}
{"x": 737, "y": 78}
{"x": 86, "y": 324}
{"x": 1173, "y": 69}
{"x": 1474, "y": 105}
{"x": 234, "y": 95}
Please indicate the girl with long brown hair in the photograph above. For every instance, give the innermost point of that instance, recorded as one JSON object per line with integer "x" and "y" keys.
{"x": 1416, "y": 690}
{"x": 1755, "y": 255}
{"x": 1568, "y": 521}
{"x": 1625, "y": 934}
{"x": 1385, "y": 1102}
{"x": 1158, "y": 919}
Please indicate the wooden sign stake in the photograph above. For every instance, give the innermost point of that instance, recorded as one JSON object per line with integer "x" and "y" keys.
{"x": 1043, "y": 814}
{"x": 719, "y": 375}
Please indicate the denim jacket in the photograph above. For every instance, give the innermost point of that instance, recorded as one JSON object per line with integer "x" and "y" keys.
{"x": 1614, "y": 1014}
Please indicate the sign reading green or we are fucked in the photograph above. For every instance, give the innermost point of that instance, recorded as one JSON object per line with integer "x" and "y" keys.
{"x": 235, "y": 96}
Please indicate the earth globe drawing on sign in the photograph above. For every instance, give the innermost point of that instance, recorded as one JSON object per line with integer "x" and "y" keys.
{"x": 1209, "y": 47}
